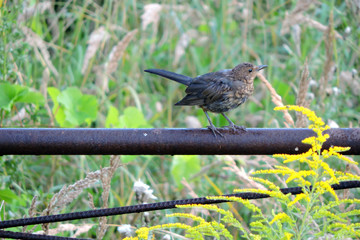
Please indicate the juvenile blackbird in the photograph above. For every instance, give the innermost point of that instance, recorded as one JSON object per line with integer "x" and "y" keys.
{"x": 217, "y": 92}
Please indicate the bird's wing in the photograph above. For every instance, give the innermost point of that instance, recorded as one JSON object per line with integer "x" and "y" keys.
{"x": 206, "y": 89}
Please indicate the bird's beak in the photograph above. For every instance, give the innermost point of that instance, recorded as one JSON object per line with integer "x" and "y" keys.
{"x": 261, "y": 67}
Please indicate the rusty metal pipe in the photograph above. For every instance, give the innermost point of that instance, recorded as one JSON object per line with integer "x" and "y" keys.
{"x": 79, "y": 141}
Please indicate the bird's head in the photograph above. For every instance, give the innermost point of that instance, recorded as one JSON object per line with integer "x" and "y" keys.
{"x": 246, "y": 71}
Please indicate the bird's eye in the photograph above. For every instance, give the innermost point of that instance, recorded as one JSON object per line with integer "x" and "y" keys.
{"x": 250, "y": 70}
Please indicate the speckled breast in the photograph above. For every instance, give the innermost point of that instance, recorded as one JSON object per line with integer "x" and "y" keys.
{"x": 224, "y": 104}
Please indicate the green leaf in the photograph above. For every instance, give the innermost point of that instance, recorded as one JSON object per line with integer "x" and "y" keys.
{"x": 7, "y": 96}
{"x": 57, "y": 110}
{"x": 184, "y": 166}
{"x": 32, "y": 97}
{"x": 54, "y": 93}
{"x": 134, "y": 118}
{"x": 7, "y": 195}
{"x": 72, "y": 108}
{"x": 87, "y": 108}
{"x": 112, "y": 118}
{"x": 69, "y": 97}
{"x": 12, "y": 93}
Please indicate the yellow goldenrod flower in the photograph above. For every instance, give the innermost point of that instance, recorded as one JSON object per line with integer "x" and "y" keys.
{"x": 186, "y": 215}
{"x": 323, "y": 187}
{"x": 288, "y": 236}
{"x": 143, "y": 232}
{"x": 299, "y": 197}
{"x": 283, "y": 217}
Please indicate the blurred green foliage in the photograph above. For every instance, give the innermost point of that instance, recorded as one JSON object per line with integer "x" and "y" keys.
{"x": 55, "y": 65}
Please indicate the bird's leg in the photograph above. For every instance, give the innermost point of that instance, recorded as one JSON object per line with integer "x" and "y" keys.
{"x": 212, "y": 127}
{"x": 232, "y": 125}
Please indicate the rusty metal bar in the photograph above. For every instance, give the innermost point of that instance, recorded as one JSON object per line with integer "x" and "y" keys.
{"x": 47, "y": 141}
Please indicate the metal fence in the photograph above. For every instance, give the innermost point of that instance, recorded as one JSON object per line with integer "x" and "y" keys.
{"x": 22, "y": 141}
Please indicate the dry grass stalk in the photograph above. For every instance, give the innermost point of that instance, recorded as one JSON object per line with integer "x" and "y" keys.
{"x": 43, "y": 90}
{"x": 106, "y": 174}
{"x": 29, "y": 12}
{"x": 243, "y": 175}
{"x": 91, "y": 201}
{"x": 55, "y": 16}
{"x": 329, "y": 43}
{"x": 182, "y": 44}
{"x": 37, "y": 43}
{"x": 32, "y": 211}
{"x": 16, "y": 69}
{"x": 296, "y": 32}
{"x": 101, "y": 80}
{"x": 97, "y": 37}
{"x": 321, "y": 27}
{"x": 276, "y": 99}
{"x": 118, "y": 51}
{"x": 297, "y": 17}
{"x": 303, "y": 5}
{"x": 301, "y": 120}
{"x": 151, "y": 15}
{"x": 68, "y": 193}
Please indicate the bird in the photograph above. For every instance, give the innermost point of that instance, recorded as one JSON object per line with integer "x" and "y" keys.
{"x": 216, "y": 92}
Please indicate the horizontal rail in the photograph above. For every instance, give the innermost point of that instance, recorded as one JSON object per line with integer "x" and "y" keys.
{"x": 89, "y": 141}
{"x": 104, "y": 212}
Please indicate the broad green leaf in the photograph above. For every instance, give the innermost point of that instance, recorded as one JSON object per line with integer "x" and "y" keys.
{"x": 88, "y": 108}
{"x": 112, "y": 118}
{"x": 60, "y": 117}
{"x": 7, "y": 195}
{"x": 13, "y": 93}
{"x": 32, "y": 97}
{"x": 79, "y": 108}
{"x": 72, "y": 108}
{"x": 57, "y": 110}
{"x": 184, "y": 166}
{"x": 54, "y": 93}
{"x": 134, "y": 118}
{"x": 7, "y": 96}
{"x": 69, "y": 97}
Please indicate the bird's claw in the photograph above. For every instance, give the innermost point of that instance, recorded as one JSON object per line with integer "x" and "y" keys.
{"x": 215, "y": 131}
{"x": 235, "y": 128}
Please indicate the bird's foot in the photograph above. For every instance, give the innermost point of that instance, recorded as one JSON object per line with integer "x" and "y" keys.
{"x": 235, "y": 128}
{"x": 215, "y": 130}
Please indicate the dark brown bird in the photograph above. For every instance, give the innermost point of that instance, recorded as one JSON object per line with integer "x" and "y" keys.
{"x": 217, "y": 92}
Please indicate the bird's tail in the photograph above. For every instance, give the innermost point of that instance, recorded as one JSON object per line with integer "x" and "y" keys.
{"x": 171, "y": 75}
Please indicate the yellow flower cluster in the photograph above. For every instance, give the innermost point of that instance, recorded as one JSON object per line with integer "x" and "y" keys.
{"x": 245, "y": 202}
{"x": 315, "y": 172}
{"x": 298, "y": 198}
{"x": 143, "y": 233}
{"x": 283, "y": 217}
{"x": 315, "y": 156}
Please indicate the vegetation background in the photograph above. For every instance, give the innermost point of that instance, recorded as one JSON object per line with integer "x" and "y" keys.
{"x": 80, "y": 64}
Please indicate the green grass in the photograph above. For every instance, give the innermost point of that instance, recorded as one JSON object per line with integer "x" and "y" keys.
{"x": 224, "y": 36}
